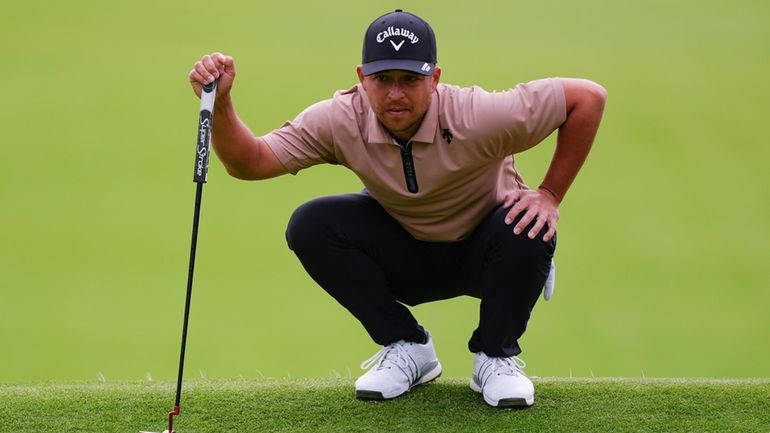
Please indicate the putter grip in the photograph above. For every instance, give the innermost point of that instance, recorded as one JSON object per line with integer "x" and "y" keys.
{"x": 205, "y": 124}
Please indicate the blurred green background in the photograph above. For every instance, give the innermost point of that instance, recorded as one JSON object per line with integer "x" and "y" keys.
{"x": 663, "y": 239}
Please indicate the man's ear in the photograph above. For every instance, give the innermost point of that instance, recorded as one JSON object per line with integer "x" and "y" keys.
{"x": 360, "y": 72}
{"x": 436, "y": 77}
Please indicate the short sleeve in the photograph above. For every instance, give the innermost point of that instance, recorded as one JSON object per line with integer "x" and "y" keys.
{"x": 520, "y": 118}
{"x": 306, "y": 140}
{"x": 538, "y": 109}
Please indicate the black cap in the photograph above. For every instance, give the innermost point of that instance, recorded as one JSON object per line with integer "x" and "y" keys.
{"x": 399, "y": 40}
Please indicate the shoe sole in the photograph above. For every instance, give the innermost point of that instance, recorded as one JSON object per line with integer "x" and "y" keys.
{"x": 369, "y": 395}
{"x": 363, "y": 394}
{"x": 504, "y": 403}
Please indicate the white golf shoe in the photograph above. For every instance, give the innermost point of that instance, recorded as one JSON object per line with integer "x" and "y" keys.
{"x": 501, "y": 381}
{"x": 396, "y": 369}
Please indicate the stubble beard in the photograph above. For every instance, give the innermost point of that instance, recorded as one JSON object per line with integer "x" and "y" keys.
{"x": 410, "y": 129}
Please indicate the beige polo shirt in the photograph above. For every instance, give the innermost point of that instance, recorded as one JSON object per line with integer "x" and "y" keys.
{"x": 462, "y": 151}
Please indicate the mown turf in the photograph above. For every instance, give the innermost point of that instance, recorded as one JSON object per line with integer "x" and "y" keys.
{"x": 663, "y": 238}
{"x": 562, "y": 405}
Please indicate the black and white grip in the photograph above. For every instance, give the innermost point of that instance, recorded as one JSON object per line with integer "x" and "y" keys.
{"x": 205, "y": 124}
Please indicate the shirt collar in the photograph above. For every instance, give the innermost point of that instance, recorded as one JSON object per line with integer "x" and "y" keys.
{"x": 425, "y": 134}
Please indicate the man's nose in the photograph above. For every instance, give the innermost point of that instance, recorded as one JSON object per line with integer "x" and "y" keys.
{"x": 395, "y": 91}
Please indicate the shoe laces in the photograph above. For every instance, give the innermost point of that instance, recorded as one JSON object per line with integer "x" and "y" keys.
{"x": 394, "y": 354}
{"x": 509, "y": 366}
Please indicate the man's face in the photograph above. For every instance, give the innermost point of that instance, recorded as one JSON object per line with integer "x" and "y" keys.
{"x": 400, "y": 99}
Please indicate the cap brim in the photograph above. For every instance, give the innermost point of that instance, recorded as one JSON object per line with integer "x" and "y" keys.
{"x": 416, "y": 66}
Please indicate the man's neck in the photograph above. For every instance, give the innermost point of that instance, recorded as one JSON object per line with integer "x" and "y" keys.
{"x": 400, "y": 141}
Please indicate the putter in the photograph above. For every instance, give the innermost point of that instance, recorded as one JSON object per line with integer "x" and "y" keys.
{"x": 205, "y": 123}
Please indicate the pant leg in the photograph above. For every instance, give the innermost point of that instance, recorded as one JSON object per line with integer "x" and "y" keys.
{"x": 346, "y": 243}
{"x": 362, "y": 257}
{"x": 512, "y": 271}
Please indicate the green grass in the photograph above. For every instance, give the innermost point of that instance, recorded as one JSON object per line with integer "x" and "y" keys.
{"x": 448, "y": 405}
{"x": 663, "y": 239}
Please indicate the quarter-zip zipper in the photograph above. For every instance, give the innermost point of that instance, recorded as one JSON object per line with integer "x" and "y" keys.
{"x": 410, "y": 175}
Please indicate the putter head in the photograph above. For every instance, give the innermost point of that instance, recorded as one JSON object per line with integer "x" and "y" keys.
{"x": 170, "y": 428}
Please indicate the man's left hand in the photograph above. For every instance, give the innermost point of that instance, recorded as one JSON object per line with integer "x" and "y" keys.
{"x": 538, "y": 205}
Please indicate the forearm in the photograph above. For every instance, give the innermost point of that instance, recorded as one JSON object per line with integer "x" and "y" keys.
{"x": 232, "y": 140}
{"x": 244, "y": 155}
{"x": 576, "y": 136}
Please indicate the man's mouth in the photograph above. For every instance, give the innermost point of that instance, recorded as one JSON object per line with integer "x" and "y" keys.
{"x": 397, "y": 110}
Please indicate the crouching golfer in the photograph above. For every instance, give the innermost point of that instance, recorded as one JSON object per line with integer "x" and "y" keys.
{"x": 443, "y": 213}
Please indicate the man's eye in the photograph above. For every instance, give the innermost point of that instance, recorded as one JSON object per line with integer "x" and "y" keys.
{"x": 381, "y": 77}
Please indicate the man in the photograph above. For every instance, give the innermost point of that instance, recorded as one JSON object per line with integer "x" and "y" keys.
{"x": 443, "y": 214}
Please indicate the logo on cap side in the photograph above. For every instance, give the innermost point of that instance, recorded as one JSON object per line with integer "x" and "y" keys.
{"x": 425, "y": 67}
{"x": 400, "y": 31}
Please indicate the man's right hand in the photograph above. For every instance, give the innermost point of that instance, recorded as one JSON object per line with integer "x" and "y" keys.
{"x": 244, "y": 155}
{"x": 211, "y": 67}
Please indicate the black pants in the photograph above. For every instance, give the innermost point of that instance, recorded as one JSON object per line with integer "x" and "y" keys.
{"x": 363, "y": 257}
